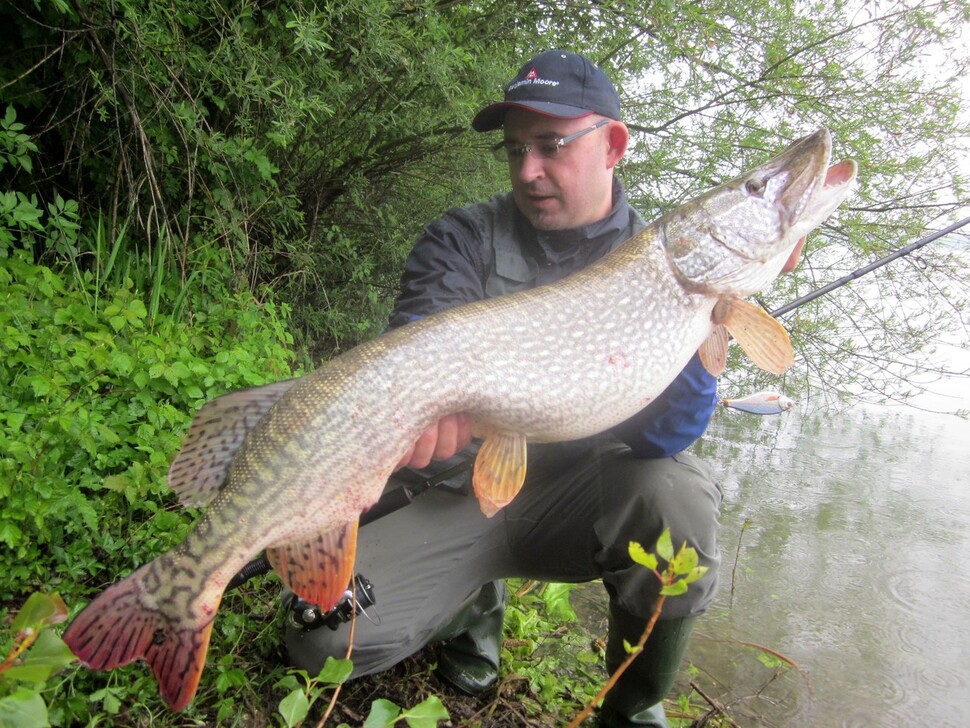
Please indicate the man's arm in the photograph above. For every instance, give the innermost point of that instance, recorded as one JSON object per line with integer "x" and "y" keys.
{"x": 445, "y": 268}
{"x": 682, "y": 412}
{"x": 675, "y": 418}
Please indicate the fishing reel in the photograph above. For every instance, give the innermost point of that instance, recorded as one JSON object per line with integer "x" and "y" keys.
{"x": 308, "y": 617}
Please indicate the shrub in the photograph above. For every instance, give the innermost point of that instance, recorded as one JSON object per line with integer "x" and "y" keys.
{"x": 93, "y": 403}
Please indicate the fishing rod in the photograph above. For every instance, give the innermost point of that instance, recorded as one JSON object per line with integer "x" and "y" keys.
{"x": 812, "y": 295}
{"x": 773, "y": 403}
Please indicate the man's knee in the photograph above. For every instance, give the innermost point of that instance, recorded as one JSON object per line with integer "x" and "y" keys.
{"x": 644, "y": 498}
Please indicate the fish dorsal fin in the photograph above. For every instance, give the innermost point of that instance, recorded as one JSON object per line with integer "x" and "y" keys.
{"x": 713, "y": 352}
{"x": 499, "y": 470}
{"x": 318, "y": 570}
{"x": 761, "y": 336}
{"x": 215, "y": 436}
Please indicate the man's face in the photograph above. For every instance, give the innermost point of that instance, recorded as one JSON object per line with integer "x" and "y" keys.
{"x": 572, "y": 189}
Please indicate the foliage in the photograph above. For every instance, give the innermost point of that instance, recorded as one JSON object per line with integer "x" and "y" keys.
{"x": 98, "y": 382}
{"x": 546, "y": 647}
{"x": 22, "y": 676}
{"x": 308, "y": 142}
{"x": 303, "y": 139}
{"x": 94, "y": 402}
{"x": 681, "y": 568}
{"x": 426, "y": 714}
{"x": 305, "y": 691}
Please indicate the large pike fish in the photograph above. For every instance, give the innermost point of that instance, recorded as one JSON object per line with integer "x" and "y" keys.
{"x": 290, "y": 466}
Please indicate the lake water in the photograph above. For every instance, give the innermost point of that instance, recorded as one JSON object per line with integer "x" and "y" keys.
{"x": 847, "y": 548}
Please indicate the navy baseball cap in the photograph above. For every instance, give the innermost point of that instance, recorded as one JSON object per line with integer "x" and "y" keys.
{"x": 554, "y": 83}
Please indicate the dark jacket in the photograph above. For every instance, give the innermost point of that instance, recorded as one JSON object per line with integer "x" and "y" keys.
{"x": 490, "y": 248}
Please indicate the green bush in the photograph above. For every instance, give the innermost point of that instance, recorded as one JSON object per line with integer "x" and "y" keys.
{"x": 97, "y": 385}
{"x": 93, "y": 403}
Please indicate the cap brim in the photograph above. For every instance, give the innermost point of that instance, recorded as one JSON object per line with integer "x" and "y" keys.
{"x": 492, "y": 117}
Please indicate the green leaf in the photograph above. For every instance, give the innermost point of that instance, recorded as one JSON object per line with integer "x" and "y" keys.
{"x": 10, "y": 534}
{"x": 427, "y": 713}
{"x": 685, "y": 561}
{"x": 695, "y": 574}
{"x": 15, "y": 420}
{"x": 382, "y": 713}
{"x": 46, "y": 657}
{"x": 294, "y": 707}
{"x": 117, "y": 483}
{"x": 335, "y": 672}
{"x": 675, "y": 589}
{"x": 556, "y": 598}
{"x": 665, "y": 547}
{"x": 121, "y": 363}
{"x": 109, "y": 698}
{"x": 41, "y": 385}
{"x": 23, "y": 709}
{"x": 136, "y": 310}
{"x": 640, "y": 556}
{"x": 40, "y": 610}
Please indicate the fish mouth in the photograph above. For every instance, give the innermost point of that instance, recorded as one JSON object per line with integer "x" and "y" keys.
{"x": 802, "y": 187}
{"x": 736, "y": 238}
{"x": 815, "y": 186}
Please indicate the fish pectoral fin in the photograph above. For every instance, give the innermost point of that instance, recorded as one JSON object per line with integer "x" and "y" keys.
{"x": 319, "y": 569}
{"x": 760, "y": 335}
{"x": 499, "y": 470}
{"x": 713, "y": 352}
{"x": 215, "y": 436}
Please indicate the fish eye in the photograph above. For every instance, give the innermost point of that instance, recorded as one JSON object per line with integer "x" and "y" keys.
{"x": 754, "y": 186}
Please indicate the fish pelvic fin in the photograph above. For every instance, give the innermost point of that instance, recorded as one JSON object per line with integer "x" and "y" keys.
{"x": 713, "y": 352}
{"x": 499, "y": 472}
{"x": 118, "y": 628}
{"x": 319, "y": 569}
{"x": 758, "y": 334}
{"x": 218, "y": 431}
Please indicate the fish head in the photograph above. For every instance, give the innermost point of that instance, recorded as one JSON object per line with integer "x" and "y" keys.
{"x": 735, "y": 239}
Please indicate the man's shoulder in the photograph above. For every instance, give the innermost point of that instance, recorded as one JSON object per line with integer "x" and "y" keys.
{"x": 484, "y": 213}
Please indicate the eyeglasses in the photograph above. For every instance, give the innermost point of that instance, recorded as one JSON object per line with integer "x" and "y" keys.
{"x": 546, "y": 148}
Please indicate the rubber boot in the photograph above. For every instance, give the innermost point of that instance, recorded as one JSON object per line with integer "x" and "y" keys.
{"x": 637, "y": 697}
{"x": 468, "y": 659}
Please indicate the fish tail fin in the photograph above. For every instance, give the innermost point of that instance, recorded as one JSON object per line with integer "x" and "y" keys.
{"x": 118, "y": 628}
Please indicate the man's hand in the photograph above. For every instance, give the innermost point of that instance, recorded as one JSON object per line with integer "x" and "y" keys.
{"x": 439, "y": 442}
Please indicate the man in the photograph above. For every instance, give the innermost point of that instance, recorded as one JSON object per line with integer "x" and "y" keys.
{"x": 435, "y": 565}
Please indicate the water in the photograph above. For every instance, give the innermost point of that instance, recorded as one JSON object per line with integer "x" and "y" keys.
{"x": 854, "y": 565}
